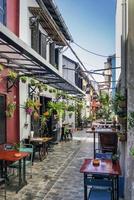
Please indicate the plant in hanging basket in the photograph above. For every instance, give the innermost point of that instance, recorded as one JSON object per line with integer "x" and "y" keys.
{"x": 71, "y": 108}
{"x": 32, "y": 82}
{"x": 11, "y": 106}
{"x": 36, "y": 116}
{"x": 70, "y": 114}
{"x": 50, "y": 90}
{"x": 23, "y": 79}
{"x": 1, "y": 67}
{"x": 12, "y": 76}
{"x": 45, "y": 87}
{"x": 29, "y": 106}
{"x": 131, "y": 120}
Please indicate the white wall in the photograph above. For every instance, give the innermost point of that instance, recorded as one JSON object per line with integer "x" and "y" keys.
{"x": 118, "y": 33}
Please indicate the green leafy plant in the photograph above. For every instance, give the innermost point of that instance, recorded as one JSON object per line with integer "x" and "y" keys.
{"x": 50, "y": 90}
{"x": 1, "y": 67}
{"x": 32, "y": 82}
{"x": 132, "y": 151}
{"x": 58, "y": 107}
{"x": 23, "y": 79}
{"x": 12, "y": 76}
{"x": 131, "y": 120}
{"x": 11, "y": 106}
{"x": 71, "y": 108}
{"x": 29, "y": 106}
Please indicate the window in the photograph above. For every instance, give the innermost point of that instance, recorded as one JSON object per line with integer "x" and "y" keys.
{"x": 42, "y": 44}
{"x": 52, "y": 53}
{"x": 2, "y": 119}
{"x": 3, "y": 11}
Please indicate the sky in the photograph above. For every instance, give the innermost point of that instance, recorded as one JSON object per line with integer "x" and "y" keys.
{"x": 92, "y": 25}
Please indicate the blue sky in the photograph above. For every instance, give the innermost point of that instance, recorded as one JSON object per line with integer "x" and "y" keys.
{"x": 92, "y": 25}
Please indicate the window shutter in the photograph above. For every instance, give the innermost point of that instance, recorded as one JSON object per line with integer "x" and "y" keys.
{"x": 35, "y": 36}
{"x": 52, "y": 53}
{"x": 43, "y": 45}
{"x": 57, "y": 57}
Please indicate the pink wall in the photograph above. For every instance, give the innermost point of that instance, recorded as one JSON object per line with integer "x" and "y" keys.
{"x": 13, "y": 16}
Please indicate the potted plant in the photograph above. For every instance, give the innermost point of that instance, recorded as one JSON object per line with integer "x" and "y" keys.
{"x": 11, "y": 106}
{"x": 43, "y": 121}
{"x": 29, "y": 106}
{"x": 23, "y": 79}
{"x": 40, "y": 86}
{"x": 32, "y": 82}
{"x": 36, "y": 116}
{"x": 122, "y": 137}
{"x": 71, "y": 108}
{"x": 115, "y": 157}
{"x": 50, "y": 90}
{"x": 12, "y": 76}
{"x": 1, "y": 68}
{"x": 131, "y": 119}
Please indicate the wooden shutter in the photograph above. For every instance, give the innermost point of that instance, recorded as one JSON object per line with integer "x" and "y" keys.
{"x": 43, "y": 45}
{"x": 57, "y": 57}
{"x": 52, "y": 53}
{"x": 35, "y": 36}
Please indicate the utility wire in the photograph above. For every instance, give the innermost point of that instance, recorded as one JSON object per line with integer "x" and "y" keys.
{"x": 78, "y": 59}
{"x": 91, "y": 52}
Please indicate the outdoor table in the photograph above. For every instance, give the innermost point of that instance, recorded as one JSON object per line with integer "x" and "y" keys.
{"x": 105, "y": 168}
{"x": 36, "y": 141}
{"x": 11, "y": 156}
{"x": 98, "y": 131}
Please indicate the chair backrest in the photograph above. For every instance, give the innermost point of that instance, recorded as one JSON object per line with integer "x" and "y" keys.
{"x": 108, "y": 142}
{"x": 8, "y": 146}
{"x": 29, "y": 149}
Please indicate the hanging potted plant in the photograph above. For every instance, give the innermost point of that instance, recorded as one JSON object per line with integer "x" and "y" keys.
{"x": 40, "y": 86}
{"x": 12, "y": 76}
{"x": 29, "y": 106}
{"x": 1, "y": 68}
{"x": 32, "y": 82}
{"x": 36, "y": 116}
{"x": 11, "y": 106}
{"x": 23, "y": 79}
{"x": 43, "y": 121}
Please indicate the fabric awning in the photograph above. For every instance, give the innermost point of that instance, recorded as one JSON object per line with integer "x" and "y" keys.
{"x": 16, "y": 54}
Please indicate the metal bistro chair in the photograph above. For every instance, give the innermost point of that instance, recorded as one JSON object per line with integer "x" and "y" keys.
{"x": 108, "y": 142}
{"x": 3, "y": 186}
{"x": 29, "y": 161}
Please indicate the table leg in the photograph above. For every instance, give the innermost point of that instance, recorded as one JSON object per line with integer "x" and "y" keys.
{"x": 117, "y": 180}
{"x": 20, "y": 176}
{"x": 94, "y": 143}
{"x": 85, "y": 187}
{"x": 24, "y": 171}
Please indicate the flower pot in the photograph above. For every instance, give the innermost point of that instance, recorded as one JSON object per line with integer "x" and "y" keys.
{"x": 122, "y": 138}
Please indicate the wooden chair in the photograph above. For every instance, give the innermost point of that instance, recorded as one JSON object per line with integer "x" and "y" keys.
{"x": 108, "y": 142}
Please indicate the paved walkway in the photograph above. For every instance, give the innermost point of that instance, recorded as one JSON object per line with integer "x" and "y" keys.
{"x": 57, "y": 177}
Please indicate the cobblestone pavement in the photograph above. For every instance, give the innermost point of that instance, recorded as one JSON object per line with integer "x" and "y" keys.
{"x": 57, "y": 177}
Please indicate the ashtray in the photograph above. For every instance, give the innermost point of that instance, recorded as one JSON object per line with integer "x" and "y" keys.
{"x": 96, "y": 162}
{"x": 17, "y": 155}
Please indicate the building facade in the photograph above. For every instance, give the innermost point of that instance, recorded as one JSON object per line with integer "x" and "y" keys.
{"x": 33, "y": 36}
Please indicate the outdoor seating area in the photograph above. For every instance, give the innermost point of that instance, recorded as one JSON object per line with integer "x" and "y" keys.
{"x": 102, "y": 172}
